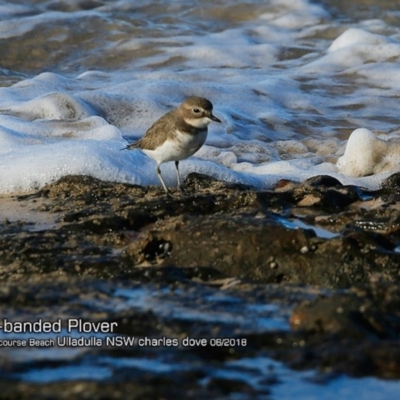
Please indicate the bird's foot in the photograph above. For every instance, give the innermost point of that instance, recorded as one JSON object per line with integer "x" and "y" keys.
{"x": 182, "y": 190}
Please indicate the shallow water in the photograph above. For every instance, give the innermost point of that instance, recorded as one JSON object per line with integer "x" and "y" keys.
{"x": 290, "y": 81}
{"x": 229, "y": 311}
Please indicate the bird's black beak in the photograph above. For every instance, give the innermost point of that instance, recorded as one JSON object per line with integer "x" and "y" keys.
{"x": 214, "y": 118}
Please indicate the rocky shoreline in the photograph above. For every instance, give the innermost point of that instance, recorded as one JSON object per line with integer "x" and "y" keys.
{"x": 326, "y": 255}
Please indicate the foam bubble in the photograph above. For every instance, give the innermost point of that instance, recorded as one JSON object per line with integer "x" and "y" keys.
{"x": 356, "y": 37}
{"x": 355, "y": 47}
{"x": 366, "y": 154}
{"x": 60, "y": 106}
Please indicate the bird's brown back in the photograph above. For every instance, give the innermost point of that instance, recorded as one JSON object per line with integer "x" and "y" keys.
{"x": 161, "y": 130}
{"x": 164, "y": 129}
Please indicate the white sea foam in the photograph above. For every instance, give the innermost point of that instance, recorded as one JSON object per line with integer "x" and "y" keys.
{"x": 367, "y": 154}
{"x": 288, "y": 91}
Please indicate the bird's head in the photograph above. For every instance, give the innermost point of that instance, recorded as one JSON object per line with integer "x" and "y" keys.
{"x": 197, "y": 112}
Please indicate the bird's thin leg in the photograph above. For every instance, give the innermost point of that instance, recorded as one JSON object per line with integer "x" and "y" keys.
{"x": 162, "y": 181}
{"x": 178, "y": 177}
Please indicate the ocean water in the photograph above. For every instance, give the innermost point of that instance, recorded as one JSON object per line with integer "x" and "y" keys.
{"x": 261, "y": 373}
{"x": 290, "y": 79}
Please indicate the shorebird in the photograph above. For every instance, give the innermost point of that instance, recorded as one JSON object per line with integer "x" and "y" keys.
{"x": 177, "y": 135}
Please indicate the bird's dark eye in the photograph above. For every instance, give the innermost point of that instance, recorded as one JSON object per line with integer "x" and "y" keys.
{"x": 196, "y": 110}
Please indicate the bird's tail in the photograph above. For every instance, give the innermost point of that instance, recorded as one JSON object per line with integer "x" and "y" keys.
{"x": 129, "y": 147}
{"x": 133, "y": 145}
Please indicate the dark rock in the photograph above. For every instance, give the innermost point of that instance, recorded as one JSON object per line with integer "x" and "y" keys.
{"x": 127, "y": 254}
{"x": 323, "y": 181}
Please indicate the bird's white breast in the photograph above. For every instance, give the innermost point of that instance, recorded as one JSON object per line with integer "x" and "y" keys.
{"x": 182, "y": 146}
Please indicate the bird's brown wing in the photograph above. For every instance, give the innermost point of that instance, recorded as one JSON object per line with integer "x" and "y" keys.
{"x": 157, "y": 133}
